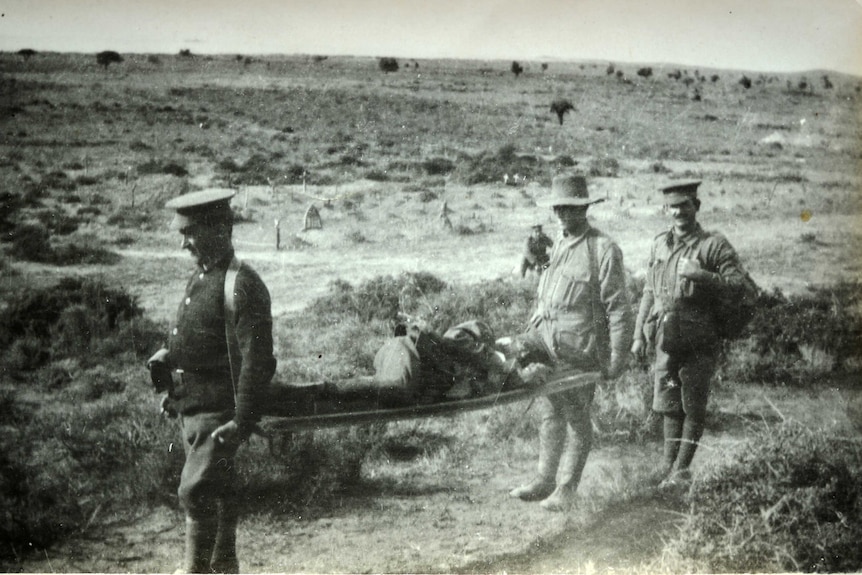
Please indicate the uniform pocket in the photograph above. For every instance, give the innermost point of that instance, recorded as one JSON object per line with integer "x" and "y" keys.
{"x": 572, "y": 343}
{"x": 685, "y": 331}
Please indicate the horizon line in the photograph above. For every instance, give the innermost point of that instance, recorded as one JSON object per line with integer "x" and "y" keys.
{"x": 535, "y": 59}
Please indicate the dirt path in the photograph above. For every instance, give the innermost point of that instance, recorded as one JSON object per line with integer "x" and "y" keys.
{"x": 433, "y": 525}
{"x": 625, "y": 537}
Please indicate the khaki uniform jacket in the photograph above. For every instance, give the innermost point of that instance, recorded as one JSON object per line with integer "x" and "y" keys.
{"x": 665, "y": 290}
{"x": 567, "y": 301}
{"x": 198, "y": 345}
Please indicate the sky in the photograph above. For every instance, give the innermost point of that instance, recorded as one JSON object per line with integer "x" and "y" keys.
{"x": 756, "y": 35}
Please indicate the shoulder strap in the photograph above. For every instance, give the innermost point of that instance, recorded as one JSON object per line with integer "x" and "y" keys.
{"x": 233, "y": 354}
{"x": 600, "y": 322}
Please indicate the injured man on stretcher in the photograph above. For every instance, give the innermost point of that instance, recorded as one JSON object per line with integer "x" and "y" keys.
{"x": 419, "y": 367}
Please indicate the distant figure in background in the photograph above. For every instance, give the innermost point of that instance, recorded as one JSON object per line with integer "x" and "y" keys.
{"x": 690, "y": 272}
{"x": 220, "y": 353}
{"x": 536, "y": 252}
{"x": 582, "y": 321}
{"x": 444, "y": 215}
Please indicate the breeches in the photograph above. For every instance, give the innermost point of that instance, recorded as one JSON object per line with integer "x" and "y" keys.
{"x": 208, "y": 475}
{"x": 682, "y": 382}
{"x": 567, "y": 406}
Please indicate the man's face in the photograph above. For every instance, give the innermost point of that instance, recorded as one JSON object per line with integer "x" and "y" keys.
{"x": 206, "y": 243}
{"x": 683, "y": 214}
{"x": 571, "y": 218}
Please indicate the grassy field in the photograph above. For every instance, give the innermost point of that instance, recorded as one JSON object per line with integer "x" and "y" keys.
{"x": 89, "y": 156}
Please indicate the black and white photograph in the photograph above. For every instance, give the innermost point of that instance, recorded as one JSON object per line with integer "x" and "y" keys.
{"x": 389, "y": 286}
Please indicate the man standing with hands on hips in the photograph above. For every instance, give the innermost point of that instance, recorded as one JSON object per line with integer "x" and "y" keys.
{"x": 220, "y": 350}
{"x": 691, "y": 272}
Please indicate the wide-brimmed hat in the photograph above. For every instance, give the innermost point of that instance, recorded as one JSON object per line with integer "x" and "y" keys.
{"x": 679, "y": 192}
{"x": 568, "y": 190}
{"x": 207, "y": 207}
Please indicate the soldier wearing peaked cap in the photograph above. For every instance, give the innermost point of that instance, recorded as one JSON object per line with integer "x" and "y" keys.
{"x": 690, "y": 271}
{"x": 582, "y": 321}
{"x": 220, "y": 353}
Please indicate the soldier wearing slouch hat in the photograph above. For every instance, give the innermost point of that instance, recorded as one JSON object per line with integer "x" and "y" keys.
{"x": 582, "y": 321}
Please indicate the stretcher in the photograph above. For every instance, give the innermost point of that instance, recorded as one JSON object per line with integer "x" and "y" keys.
{"x": 302, "y": 408}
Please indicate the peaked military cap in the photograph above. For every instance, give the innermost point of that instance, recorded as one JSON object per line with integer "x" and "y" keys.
{"x": 207, "y": 207}
{"x": 680, "y": 192}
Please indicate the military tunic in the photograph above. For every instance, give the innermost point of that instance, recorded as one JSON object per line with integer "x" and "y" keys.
{"x": 571, "y": 304}
{"x": 206, "y": 397}
{"x": 583, "y": 321}
{"x": 682, "y": 377}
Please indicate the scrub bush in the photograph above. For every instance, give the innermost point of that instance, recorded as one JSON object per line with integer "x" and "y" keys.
{"x": 791, "y": 501}
{"x": 799, "y": 338}
{"x": 80, "y": 318}
{"x": 490, "y": 167}
{"x": 31, "y": 242}
{"x": 62, "y": 468}
{"x": 162, "y": 167}
{"x": 438, "y": 166}
{"x": 377, "y": 298}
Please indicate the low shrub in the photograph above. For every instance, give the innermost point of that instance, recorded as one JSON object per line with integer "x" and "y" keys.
{"x": 377, "y": 175}
{"x": 139, "y": 146}
{"x": 622, "y": 409}
{"x": 84, "y": 251}
{"x": 31, "y": 242}
{"x": 162, "y": 167}
{"x": 261, "y": 171}
{"x": 490, "y": 167}
{"x": 307, "y": 470}
{"x": 58, "y": 180}
{"x": 377, "y": 298}
{"x": 132, "y": 219}
{"x": 438, "y": 166}
{"x": 62, "y": 469}
{"x": 355, "y": 237}
{"x": 799, "y": 338}
{"x": 10, "y": 204}
{"x": 25, "y": 354}
{"x": 603, "y": 167}
{"x": 790, "y": 501}
{"x": 57, "y": 222}
{"x": 85, "y": 211}
{"x": 76, "y": 318}
{"x": 86, "y": 180}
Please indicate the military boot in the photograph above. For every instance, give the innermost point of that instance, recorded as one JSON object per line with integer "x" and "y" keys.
{"x": 224, "y": 558}
{"x": 552, "y": 435}
{"x": 571, "y": 467}
{"x": 200, "y": 539}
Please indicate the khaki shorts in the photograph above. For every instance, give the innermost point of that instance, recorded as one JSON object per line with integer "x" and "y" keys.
{"x": 682, "y": 382}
